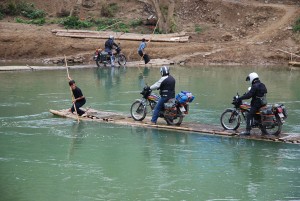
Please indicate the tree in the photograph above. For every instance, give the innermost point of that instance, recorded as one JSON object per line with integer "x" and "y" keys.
{"x": 166, "y": 22}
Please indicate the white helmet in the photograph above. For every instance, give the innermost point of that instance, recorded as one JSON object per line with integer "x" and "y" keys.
{"x": 111, "y": 37}
{"x": 251, "y": 77}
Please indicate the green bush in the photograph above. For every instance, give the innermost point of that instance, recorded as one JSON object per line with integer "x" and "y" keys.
{"x": 73, "y": 22}
{"x": 120, "y": 27}
{"x": 25, "y": 9}
{"x": 109, "y": 10}
{"x": 136, "y": 23}
{"x": 198, "y": 29}
{"x": 296, "y": 27}
{"x": 104, "y": 23}
{"x": 11, "y": 9}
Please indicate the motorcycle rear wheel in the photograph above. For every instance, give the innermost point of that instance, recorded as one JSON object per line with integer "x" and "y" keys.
{"x": 175, "y": 121}
{"x": 138, "y": 110}
{"x": 122, "y": 60}
{"x": 230, "y": 120}
{"x": 273, "y": 130}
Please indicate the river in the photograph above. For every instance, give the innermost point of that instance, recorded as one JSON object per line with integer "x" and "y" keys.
{"x": 46, "y": 158}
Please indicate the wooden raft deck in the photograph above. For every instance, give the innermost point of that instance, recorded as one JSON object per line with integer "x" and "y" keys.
{"x": 122, "y": 119}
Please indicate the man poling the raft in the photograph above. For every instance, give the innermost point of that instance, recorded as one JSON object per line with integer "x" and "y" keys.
{"x": 78, "y": 99}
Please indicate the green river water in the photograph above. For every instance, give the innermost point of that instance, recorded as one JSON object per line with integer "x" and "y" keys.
{"x": 46, "y": 158}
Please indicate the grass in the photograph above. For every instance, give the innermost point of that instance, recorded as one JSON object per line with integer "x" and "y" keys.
{"x": 39, "y": 21}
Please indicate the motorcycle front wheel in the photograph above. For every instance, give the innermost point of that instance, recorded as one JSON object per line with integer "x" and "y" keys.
{"x": 230, "y": 120}
{"x": 122, "y": 60}
{"x": 274, "y": 129}
{"x": 138, "y": 110}
{"x": 176, "y": 121}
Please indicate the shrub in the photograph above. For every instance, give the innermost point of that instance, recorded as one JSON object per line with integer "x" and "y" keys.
{"x": 136, "y": 23}
{"x": 73, "y": 22}
{"x": 121, "y": 27}
{"x": 104, "y": 23}
{"x": 198, "y": 29}
{"x": 296, "y": 27}
{"x": 25, "y": 9}
{"x": 11, "y": 9}
{"x": 109, "y": 10}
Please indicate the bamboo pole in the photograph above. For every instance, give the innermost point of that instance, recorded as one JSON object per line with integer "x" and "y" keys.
{"x": 72, "y": 95}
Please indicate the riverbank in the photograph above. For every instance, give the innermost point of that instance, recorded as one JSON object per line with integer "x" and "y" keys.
{"x": 152, "y": 63}
{"x": 246, "y": 33}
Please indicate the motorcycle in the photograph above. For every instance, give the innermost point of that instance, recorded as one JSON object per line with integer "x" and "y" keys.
{"x": 102, "y": 57}
{"x": 269, "y": 119}
{"x": 173, "y": 112}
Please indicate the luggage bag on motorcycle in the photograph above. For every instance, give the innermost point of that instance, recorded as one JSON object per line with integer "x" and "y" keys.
{"x": 170, "y": 108}
{"x": 103, "y": 55}
{"x": 184, "y": 96}
{"x": 267, "y": 115}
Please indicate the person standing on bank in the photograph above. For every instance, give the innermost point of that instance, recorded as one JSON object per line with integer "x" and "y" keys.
{"x": 141, "y": 51}
{"x": 79, "y": 99}
{"x": 258, "y": 94}
{"x": 166, "y": 86}
{"x": 109, "y": 45}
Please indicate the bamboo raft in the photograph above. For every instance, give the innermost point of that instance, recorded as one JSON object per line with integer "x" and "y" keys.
{"x": 123, "y": 119}
{"x": 174, "y": 37}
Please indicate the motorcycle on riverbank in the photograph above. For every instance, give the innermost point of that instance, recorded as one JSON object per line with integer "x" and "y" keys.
{"x": 174, "y": 110}
{"x": 102, "y": 57}
{"x": 269, "y": 119}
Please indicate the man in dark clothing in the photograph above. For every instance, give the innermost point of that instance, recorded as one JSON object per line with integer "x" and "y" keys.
{"x": 79, "y": 99}
{"x": 109, "y": 45}
{"x": 166, "y": 86}
{"x": 258, "y": 94}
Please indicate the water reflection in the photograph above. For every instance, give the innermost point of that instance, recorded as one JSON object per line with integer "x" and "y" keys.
{"x": 77, "y": 136}
{"x": 109, "y": 77}
{"x": 142, "y": 77}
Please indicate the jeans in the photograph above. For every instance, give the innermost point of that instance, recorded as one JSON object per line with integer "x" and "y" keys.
{"x": 159, "y": 106}
{"x": 78, "y": 104}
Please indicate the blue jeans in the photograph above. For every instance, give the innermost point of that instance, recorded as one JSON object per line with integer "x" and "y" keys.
{"x": 159, "y": 106}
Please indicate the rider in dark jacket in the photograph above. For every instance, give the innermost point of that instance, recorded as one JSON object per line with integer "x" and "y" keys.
{"x": 258, "y": 94}
{"x": 166, "y": 86}
{"x": 109, "y": 45}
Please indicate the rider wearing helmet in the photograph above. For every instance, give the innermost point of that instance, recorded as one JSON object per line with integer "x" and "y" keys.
{"x": 258, "y": 94}
{"x": 166, "y": 86}
{"x": 109, "y": 44}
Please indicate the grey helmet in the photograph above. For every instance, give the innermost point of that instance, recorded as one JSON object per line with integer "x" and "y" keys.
{"x": 164, "y": 70}
{"x": 111, "y": 37}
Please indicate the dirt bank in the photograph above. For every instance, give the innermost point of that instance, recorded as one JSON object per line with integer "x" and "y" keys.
{"x": 233, "y": 32}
